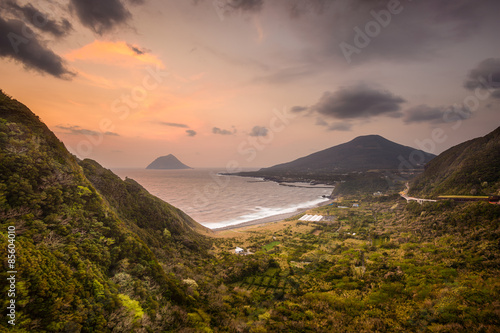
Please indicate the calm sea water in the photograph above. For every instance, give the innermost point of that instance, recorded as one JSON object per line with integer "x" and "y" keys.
{"x": 216, "y": 201}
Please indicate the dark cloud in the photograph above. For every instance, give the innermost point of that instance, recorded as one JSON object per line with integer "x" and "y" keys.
{"x": 424, "y": 114}
{"x": 100, "y": 16}
{"x": 189, "y": 132}
{"x": 229, "y": 6}
{"x": 217, "y": 130}
{"x": 258, "y": 131}
{"x": 321, "y": 122}
{"x": 138, "y": 50}
{"x": 77, "y": 130}
{"x": 435, "y": 115}
{"x": 485, "y": 76}
{"x": 40, "y": 20}
{"x": 19, "y": 42}
{"x": 246, "y": 5}
{"x": 359, "y": 101}
{"x": 297, "y": 109}
{"x": 416, "y": 30}
{"x": 303, "y": 7}
{"x": 343, "y": 126}
{"x": 174, "y": 124}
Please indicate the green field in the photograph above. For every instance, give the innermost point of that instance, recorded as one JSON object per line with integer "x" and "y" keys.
{"x": 269, "y": 246}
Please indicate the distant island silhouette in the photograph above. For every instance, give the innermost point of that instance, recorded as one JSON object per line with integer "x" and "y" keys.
{"x": 168, "y": 162}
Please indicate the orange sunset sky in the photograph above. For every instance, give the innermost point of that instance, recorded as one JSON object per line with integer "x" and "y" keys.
{"x": 259, "y": 82}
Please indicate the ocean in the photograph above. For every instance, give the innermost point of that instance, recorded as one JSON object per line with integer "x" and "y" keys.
{"x": 217, "y": 201}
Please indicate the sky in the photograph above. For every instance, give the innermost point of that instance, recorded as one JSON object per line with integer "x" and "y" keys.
{"x": 251, "y": 83}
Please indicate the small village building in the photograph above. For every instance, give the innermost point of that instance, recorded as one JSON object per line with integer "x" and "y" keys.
{"x": 239, "y": 250}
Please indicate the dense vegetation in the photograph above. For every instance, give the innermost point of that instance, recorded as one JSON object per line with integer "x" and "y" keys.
{"x": 382, "y": 267}
{"x": 151, "y": 218}
{"x": 85, "y": 262}
{"x": 470, "y": 168}
{"x": 366, "y": 182}
{"x": 99, "y": 254}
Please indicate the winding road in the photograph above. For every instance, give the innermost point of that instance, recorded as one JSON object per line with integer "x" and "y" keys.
{"x": 404, "y": 194}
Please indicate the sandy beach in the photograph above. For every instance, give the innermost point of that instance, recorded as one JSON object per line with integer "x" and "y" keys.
{"x": 269, "y": 219}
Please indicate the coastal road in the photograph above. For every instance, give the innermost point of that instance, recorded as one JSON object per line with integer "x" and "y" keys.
{"x": 404, "y": 194}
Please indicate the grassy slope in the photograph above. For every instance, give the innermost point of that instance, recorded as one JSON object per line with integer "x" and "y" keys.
{"x": 83, "y": 263}
{"x": 472, "y": 167}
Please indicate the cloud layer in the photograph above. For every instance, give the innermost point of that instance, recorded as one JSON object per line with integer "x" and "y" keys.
{"x": 100, "y": 16}
{"x": 19, "y": 42}
{"x": 173, "y": 124}
{"x": 342, "y": 126}
{"x": 435, "y": 115}
{"x": 77, "y": 130}
{"x": 41, "y": 20}
{"x": 359, "y": 101}
{"x": 258, "y": 131}
{"x": 220, "y": 131}
{"x": 486, "y": 76}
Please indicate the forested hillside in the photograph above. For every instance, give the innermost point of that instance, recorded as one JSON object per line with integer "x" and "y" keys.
{"x": 470, "y": 168}
{"x": 157, "y": 222}
{"x": 84, "y": 261}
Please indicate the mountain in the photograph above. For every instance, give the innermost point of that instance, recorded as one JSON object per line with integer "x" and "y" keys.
{"x": 472, "y": 167}
{"x": 93, "y": 253}
{"x": 169, "y": 162}
{"x": 370, "y": 152}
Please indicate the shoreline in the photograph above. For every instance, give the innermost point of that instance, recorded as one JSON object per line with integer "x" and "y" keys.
{"x": 278, "y": 180}
{"x": 270, "y": 219}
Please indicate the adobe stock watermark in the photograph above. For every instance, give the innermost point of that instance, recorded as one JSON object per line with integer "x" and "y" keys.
{"x": 372, "y": 29}
{"x": 11, "y": 277}
{"x": 455, "y": 116}
{"x": 248, "y": 149}
{"x": 123, "y": 108}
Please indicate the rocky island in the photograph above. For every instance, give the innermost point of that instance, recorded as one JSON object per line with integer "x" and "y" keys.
{"x": 168, "y": 162}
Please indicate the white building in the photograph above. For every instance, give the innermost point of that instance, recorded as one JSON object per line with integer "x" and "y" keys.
{"x": 239, "y": 250}
{"x": 312, "y": 218}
